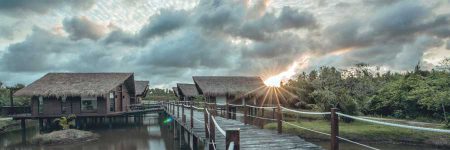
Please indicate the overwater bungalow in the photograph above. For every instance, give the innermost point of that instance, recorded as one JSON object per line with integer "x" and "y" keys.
{"x": 187, "y": 92}
{"x": 84, "y": 94}
{"x": 175, "y": 92}
{"x": 231, "y": 89}
{"x": 141, "y": 91}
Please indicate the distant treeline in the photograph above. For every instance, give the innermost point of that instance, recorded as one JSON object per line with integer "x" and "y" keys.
{"x": 157, "y": 94}
{"x": 365, "y": 90}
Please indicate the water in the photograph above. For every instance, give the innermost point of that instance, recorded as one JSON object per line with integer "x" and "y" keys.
{"x": 150, "y": 134}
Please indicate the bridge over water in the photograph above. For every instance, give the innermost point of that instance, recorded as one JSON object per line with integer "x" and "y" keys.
{"x": 220, "y": 133}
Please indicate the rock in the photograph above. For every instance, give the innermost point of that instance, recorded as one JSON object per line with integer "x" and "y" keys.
{"x": 68, "y": 136}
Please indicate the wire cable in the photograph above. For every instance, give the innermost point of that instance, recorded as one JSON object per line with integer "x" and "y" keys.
{"x": 395, "y": 125}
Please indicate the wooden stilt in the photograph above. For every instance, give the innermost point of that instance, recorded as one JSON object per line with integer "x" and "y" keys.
{"x": 23, "y": 129}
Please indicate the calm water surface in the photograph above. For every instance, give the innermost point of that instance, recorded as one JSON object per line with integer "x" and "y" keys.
{"x": 150, "y": 134}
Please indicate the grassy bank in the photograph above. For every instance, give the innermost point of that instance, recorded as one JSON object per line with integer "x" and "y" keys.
{"x": 369, "y": 133}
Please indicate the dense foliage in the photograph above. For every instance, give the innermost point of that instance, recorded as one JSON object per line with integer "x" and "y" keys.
{"x": 365, "y": 90}
{"x": 5, "y": 96}
{"x": 158, "y": 94}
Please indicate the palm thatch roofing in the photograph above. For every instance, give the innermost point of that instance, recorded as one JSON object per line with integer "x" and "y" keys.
{"x": 175, "y": 91}
{"x": 78, "y": 84}
{"x": 187, "y": 90}
{"x": 141, "y": 88}
{"x": 228, "y": 85}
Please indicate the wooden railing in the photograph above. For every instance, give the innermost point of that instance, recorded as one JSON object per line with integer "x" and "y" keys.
{"x": 210, "y": 123}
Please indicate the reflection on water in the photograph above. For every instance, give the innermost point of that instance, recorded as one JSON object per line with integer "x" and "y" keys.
{"x": 152, "y": 133}
{"x": 149, "y": 134}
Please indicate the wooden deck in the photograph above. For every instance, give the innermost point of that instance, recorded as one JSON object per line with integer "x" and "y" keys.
{"x": 148, "y": 108}
{"x": 251, "y": 137}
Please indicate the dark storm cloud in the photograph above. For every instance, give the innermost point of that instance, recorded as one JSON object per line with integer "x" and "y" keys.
{"x": 43, "y": 51}
{"x": 396, "y": 35}
{"x": 81, "y": 27}
{"x": 187, "y": 49}
{"x": 231, "y": 38}
{"x": 21, "y": 8}
{"x": 281, "y": 45}
{"x": 34, "y": 53}
{"x": 158, "y": 25}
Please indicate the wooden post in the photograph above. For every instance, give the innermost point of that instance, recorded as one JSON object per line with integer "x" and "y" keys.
{"x": 334, "y": 130}
{"x": 212, "y": 133}
{"x": 178, "y": 110}
{"x": 227, "y": 111}
{"x": 110, "y": 122}
{"x": 24, "y": 128}
{"x": 232, "y": 135}
{"x": 261, "y": 121}
{"x": 279, "y": 120}
{"x": 273, "y": 113}
{"x": 41, "y": 125}
{"x": 194, "y": 142}
{"x": 192, "y": 115}
{"x": 183, "y": 116}
{"x": 205, "y": 115}
{"x": 11, "y": 99}
{"x": 245, "y": 113}
{"x": 235, "y": 113}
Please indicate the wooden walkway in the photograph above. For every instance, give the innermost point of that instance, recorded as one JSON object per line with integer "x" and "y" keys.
{"x": 251, "y": 137}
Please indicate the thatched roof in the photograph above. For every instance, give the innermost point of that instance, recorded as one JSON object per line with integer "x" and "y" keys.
{"x": 78, "y": 84}
{"x": 141, "y": 87}
{"x": 175, "y": 91}
{"x": 188, "y": 90}
{"x": 227, "y": 85}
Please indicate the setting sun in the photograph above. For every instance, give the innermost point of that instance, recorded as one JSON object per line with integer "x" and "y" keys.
{"x": 275, "y": 81}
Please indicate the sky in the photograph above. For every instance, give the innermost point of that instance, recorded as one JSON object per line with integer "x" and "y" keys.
{"x": 169, "y": 41}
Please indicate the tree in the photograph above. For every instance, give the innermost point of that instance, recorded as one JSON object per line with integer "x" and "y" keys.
{"x": 444, "y": 65}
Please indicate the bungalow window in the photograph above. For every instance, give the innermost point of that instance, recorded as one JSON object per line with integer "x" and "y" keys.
{"x": 88, "y": 104}
{"x": 221, "y": 100}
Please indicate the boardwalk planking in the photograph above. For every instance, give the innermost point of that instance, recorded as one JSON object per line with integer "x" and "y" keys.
{"x": 251, "y": 137}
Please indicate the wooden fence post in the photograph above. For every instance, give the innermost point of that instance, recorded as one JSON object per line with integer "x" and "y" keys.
{"x": 183, "y": 116}
{"x": 23, "y": 130}
{"x": 178, "y": 110}
{"x": 273, "y": 113}
{"x": 334, "y": 130}
{"x": 192, "y": 115}
{"x": 245, "y": 113}
{"x": 279, "y": 120}
{"x": 173, "y": 109}
{"x": 212, "y": 132}
{"x": 227, "y": 111}
{"x": 261, "y": 121}
{"x": 205, "y": 115}
{"x": 232, "y": 135}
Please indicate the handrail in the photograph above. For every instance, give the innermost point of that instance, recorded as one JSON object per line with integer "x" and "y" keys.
{"x": 215, "y": 123}
{"x": 218, "y": 127}
{"x": 304, "y": 112}
{"x": 395, "y": 125}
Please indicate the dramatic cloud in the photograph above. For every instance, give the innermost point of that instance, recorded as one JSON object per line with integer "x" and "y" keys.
{"x": 21, "y": 8}
{"x": 172, "y": 41}
{"x": 81, "y": 27}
